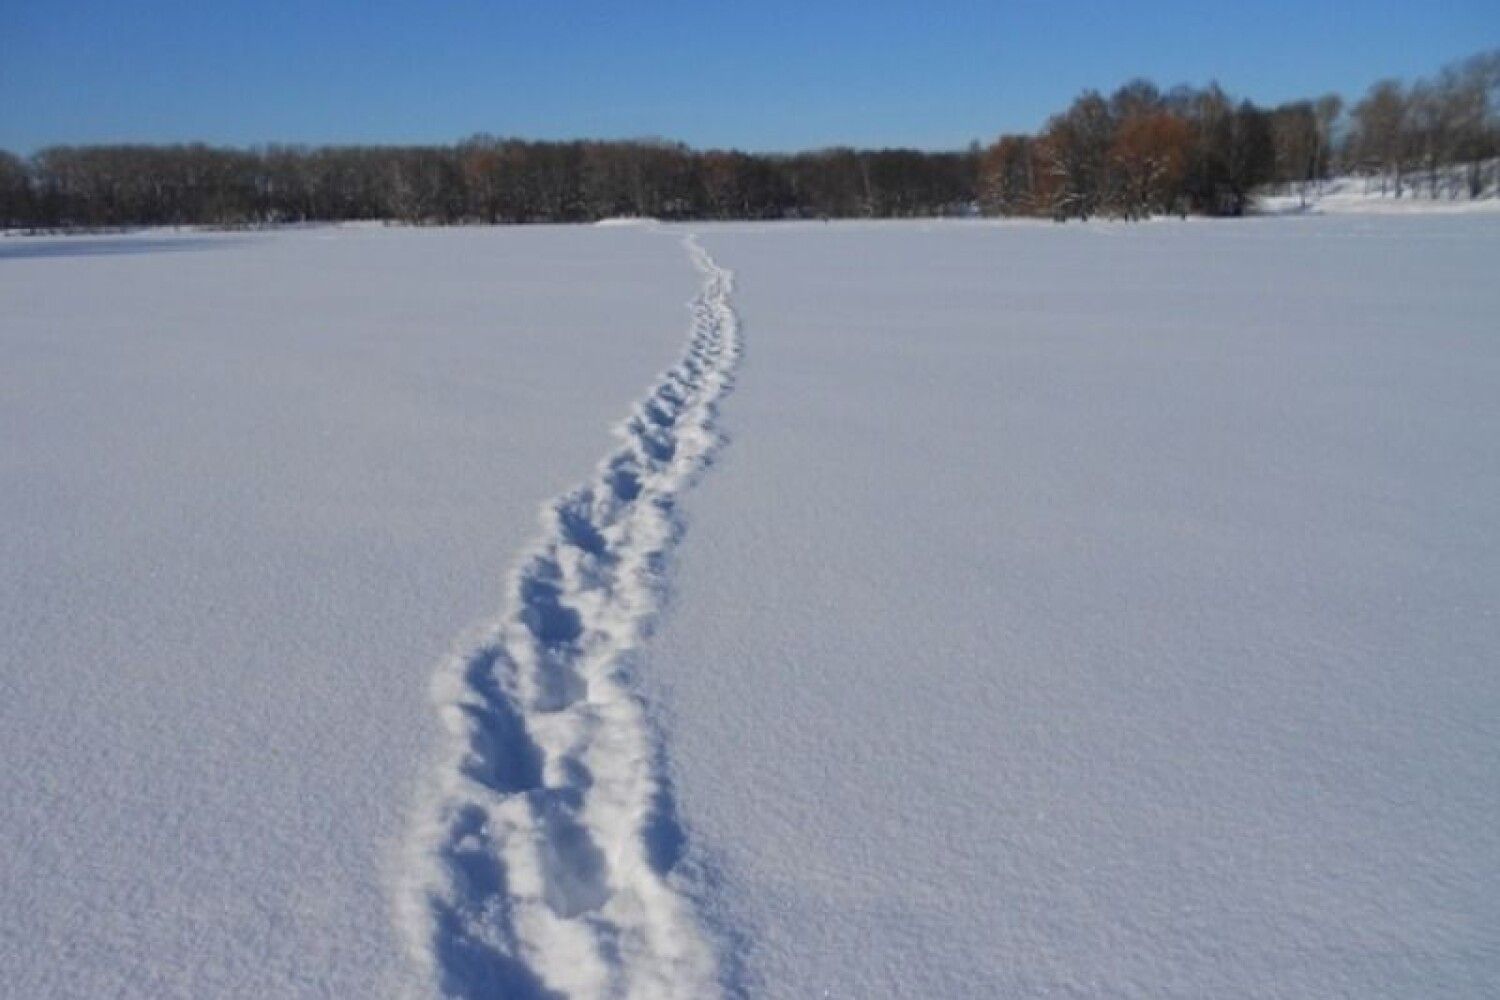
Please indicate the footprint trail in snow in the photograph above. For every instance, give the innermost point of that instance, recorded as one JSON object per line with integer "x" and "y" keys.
{"x": 540, "y": 861}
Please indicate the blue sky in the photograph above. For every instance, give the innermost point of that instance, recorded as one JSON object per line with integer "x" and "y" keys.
{"x": 759, "y": 76}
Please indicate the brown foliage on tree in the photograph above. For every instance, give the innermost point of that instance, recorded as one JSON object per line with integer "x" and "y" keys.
{"x": 1150, "y": 157}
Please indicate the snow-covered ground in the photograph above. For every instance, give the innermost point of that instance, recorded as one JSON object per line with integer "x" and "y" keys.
{"x": 253, "y": 489}
{"x": 1102, "y": 611}
{"x": 1420, "y": 193}
{"x": 1088, "y": 610}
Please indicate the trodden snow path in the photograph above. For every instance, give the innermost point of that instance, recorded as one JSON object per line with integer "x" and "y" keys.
{"x": 540, "y": 862}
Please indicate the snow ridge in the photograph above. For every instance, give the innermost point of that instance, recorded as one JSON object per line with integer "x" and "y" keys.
{"x": 542, "y": 862}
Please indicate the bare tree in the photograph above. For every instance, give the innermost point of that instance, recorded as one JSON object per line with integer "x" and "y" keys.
{"x": 1326, "y": 112}
{"x": 16, "y": 207}
{"x": 1381, "y": 137}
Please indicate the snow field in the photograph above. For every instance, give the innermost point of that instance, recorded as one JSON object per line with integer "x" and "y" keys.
{"x": 1089, "y": 610}
{"x": 1100, "y": 611}
{"x": 252, "y": 488}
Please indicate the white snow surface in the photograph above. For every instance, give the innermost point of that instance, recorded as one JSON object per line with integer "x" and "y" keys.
{"x": 254, "y": 489}
{"x": 1101, "y": 611}
{"x": 1089, "y": 610}
{"x": 1445, "y": 192}
{"x": 544, "y": 860}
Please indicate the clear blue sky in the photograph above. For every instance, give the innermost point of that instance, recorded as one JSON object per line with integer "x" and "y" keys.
{"x": 756, "y": 75}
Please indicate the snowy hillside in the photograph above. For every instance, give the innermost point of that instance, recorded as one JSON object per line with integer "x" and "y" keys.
{"x": 1444, "y": 191}
{"x": 924, "y": 609}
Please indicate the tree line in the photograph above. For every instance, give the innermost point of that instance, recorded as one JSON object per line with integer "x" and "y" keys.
{"x": 1136, "y": 153}
{"x": 483, "y": 179}
{"x": 1142, "y": 152}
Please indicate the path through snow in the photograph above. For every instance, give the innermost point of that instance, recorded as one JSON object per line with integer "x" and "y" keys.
{"x": 541, "y": 862}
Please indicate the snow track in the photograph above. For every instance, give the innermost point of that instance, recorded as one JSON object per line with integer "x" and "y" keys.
{"x": 541, "y": 861}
